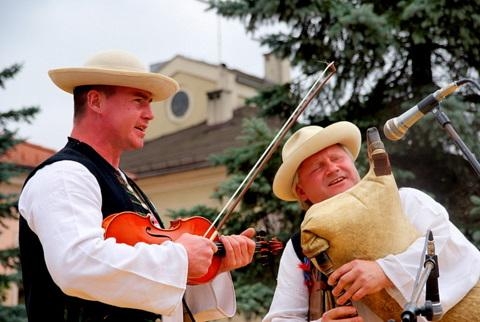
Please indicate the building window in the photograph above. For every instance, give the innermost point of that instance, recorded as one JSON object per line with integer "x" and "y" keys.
{"x": 180, "y": 104}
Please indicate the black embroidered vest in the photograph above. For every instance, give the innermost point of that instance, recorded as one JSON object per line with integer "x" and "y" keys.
{"x": 43, "y": 298}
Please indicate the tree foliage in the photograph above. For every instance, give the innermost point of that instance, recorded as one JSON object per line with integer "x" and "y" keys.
{"x": 388, "y": 55}
{"x": 9, "y": 258}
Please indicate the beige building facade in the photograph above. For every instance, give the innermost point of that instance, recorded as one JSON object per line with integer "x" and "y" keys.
{"x": 204, "y": 117}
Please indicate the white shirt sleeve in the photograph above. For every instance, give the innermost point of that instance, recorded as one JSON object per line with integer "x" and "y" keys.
{"x": 62, "y": 205}
{"x": 458, "y": 259}
{"x": 290, "y": 301}
{"x": 212, "y": 301}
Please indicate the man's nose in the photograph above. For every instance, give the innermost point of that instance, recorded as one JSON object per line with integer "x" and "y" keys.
{"x": 332, "y": 167}
{"x": 148, "y": 114}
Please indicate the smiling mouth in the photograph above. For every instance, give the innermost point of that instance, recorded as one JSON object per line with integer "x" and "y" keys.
{"x": 337, "y": 180}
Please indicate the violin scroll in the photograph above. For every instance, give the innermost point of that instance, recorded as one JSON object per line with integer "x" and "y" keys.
{"x": 267, "y": 248}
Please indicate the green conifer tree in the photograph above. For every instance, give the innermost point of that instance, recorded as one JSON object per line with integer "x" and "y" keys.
{"x": 389, "y": 55}
{"x": 9, "y": 258}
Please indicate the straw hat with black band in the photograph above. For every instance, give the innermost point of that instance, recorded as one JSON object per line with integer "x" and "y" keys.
{"x": 116, "y": 68}
{"x": 306, "y": 142}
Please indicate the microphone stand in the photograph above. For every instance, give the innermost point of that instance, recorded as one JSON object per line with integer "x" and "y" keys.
{"x": 432, "y": 309}
{"x": 444, "y": 121}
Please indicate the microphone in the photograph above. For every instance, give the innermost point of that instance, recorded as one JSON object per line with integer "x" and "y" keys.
{"x": 395, "y": 128}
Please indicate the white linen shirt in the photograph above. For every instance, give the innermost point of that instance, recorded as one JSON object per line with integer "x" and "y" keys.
{"x": 458, "y": 261}
{"x": 62, "y": 205}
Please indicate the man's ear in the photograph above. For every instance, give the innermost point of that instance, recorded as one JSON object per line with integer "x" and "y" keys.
{"x": 302, "y": 196}
{"x": 94, "y": 100}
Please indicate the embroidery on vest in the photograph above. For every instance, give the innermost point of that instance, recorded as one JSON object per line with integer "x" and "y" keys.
{"x": 134, "y": 197}
{"x": 321, "y": 298}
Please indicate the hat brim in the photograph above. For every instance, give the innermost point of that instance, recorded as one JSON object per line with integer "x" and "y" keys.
{"x": 160, "y": 86}
{"x": 344, "y": 133}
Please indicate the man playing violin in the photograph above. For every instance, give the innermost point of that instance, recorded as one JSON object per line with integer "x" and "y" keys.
{"x": 71, "y": 272}
{"x": 318, "y": 164}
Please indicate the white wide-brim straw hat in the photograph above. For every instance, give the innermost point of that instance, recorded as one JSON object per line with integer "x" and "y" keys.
{"x": 306, "y": 142}
{"x": 117, "y": 68}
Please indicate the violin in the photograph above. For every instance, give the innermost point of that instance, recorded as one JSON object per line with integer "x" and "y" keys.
{"x": 131, "y": 228}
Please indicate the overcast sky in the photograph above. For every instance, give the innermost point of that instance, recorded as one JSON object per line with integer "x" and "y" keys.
{"x": 44, "y": 34}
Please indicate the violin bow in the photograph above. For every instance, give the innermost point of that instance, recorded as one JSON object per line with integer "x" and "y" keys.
{"x": 232, "y": 203}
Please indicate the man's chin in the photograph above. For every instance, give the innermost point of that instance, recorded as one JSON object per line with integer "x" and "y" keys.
{"x": 135, "y": 145}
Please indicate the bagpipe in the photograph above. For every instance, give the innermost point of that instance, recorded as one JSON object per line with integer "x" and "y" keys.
{"x": 367, "y": 222}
